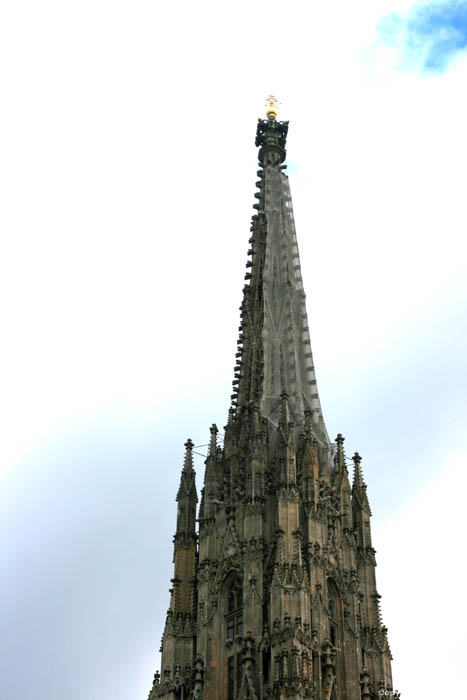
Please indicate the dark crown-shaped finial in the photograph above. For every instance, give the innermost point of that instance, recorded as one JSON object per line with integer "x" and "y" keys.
{"x": 271, "y": 137}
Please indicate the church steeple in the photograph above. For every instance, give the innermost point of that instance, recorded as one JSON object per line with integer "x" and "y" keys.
{"x": 274, "y": 351}
{"x": 276, "y": 596}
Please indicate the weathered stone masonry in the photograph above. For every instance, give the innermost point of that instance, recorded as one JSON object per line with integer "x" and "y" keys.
{"x": 275, "y": 595}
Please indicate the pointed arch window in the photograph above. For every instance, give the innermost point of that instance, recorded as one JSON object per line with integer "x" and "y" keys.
{"x": 333, "y": 611}
{"x": 234, "y": 615}
{"x": 336, "y": 631}
{"x": 233, "y": 608}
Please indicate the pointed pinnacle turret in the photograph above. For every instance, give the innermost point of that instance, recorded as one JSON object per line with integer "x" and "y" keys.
{"x": 187, "y": 480}
{"x": 340, "y": 475}
{"x": 213, "y": 442}
{"x": 213, "y": 477}
{"x": 357, "y": 472}
{"x": 359, "y": 494}
{"x": 181, "y": 613}
{"x": 188, "y": 461}
{"x": 339, "y": 459}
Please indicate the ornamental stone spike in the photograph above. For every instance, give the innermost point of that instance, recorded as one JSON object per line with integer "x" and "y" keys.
{"x": 188, "y": 462}
{"x": 213, "y": 442}
{"x": 339, "y": 459}
{"x": 357, "y": 472}
{"x": 187, "y": 479}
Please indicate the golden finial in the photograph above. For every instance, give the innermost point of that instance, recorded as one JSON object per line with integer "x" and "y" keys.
{"x": 272, "y": 106}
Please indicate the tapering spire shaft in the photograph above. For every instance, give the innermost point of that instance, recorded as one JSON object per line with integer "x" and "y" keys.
{"x": 274, "y": 344}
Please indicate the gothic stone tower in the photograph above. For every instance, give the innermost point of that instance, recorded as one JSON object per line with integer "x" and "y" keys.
{"x": 275, "y": 596}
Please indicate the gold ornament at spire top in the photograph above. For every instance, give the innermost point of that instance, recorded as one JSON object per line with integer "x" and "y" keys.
{"x": 272, "y": 106}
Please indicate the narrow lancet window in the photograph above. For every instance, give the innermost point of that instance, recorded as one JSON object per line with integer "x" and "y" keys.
{"x": 233, "y": 607}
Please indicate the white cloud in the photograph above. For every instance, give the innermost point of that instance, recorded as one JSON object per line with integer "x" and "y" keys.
{"x": 127, "y": 171}
{"x": 428, "y": 36}
{"x": 420, "y": 566}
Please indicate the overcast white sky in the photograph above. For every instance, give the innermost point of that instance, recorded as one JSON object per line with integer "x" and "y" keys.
{"x": 127, "y": 178}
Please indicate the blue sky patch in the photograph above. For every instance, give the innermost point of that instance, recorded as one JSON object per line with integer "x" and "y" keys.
{"x": 431, "y": 34}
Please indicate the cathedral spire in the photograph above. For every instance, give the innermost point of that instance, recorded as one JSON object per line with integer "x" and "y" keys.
{"x": 275, "y": 596}
{"x": 274, "y": 352}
